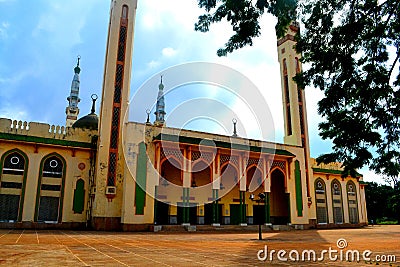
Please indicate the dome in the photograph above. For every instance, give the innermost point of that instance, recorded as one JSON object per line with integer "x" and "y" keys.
{"x": 90, "y": 121}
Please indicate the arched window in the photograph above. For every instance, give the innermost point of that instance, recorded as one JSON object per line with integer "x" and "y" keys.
{"x": 287, "y": 98}
{"x": 50, "y": 190}
{"x": 352, "y": 201}
{"x": 53, "y": 167}
{"x": 14, "y": 163}
{"x": 320, "y": 196}
{"x": 125, "y": 12}
{"x": 285, "y": 72}
{"x": 297, "y": 62}
{"x": 12, "y": 186}
{"x": 337, "y": 202}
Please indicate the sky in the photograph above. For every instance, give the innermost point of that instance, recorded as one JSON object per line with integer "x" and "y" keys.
{"x": 40, "y": 41}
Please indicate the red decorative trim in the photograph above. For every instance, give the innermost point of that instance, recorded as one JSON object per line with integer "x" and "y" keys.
{"x": 283, "y": 40}
{"x": 116, "y": 108}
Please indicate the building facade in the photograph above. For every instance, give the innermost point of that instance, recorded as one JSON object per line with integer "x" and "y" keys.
{"x": 106, "y": 173}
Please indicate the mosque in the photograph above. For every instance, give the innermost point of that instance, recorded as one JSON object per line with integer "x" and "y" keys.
{"x": 105, "y": 173}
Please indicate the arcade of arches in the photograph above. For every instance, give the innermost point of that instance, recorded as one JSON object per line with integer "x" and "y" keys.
{"x": 220, "y": 198}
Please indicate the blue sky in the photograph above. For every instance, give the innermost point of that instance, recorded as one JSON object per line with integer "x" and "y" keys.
{"x": 40, "y": 41}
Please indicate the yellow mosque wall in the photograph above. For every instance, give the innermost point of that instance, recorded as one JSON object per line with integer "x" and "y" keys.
{"x": 38, "y": 140}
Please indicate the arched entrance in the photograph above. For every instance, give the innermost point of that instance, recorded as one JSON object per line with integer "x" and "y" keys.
{"x": 255, "y": 186}
{"x": 230, "y": 195}
{"x": 201, "y": 212}
{"x": 169, "y": 192}
{"x": 279, "y": 200}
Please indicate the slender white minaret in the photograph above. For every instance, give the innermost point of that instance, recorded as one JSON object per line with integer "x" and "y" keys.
{"x": 72, "y": 109}
{"x": 160, "y": 106}
{"x": 293, "y": 97}
{"x": 114, "y": 104}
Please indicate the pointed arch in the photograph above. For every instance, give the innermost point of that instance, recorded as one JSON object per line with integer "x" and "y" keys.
{"x": 279, "y": 169}
{"x": 169, "y": 167}
{"x": 250, "y": 182}
{"x": 337, "y": 202}
{"x": 50, "y": 189}
{"x": 229, "y": 176}
{"x": 13, "y": 174}
{"x": 125, "y": 11}
{"x": 230, "y": 163}
{"x": 201, "y": 176}
{"x": 279, "y": 199}
{"x": 321, "y": 203}
{"x": 173, "y": 157}
{"x": 352, "y": 202}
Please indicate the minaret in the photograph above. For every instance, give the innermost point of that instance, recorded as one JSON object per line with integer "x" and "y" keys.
{"x": 293, "y": 97}
{"x": 114, "y": 104}
{"x": 160, "y": 107}
{"x": 72, "y": 109}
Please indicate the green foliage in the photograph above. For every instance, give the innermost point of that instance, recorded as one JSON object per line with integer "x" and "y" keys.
{"x": 346, "y": 45}
{"x": 244, "y": 17}
{"x": 384, "y": 221}
{"x": 383, "y": 203}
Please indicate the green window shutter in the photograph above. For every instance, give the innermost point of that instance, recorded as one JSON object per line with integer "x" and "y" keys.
{"x": 299, "y": 191}
{"x": 79, "y": 197}
{"x": 141, "y": 176}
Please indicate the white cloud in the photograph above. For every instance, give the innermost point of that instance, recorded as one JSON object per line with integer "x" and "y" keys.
{"x": 4, "y": 30}
{"x": 371, "y": 176}
{"x": 149, "y": 21}
{"x": 259, "y": 62}
{"x": 14, "y": 113}
{"x": 62, "y": 22}
{"x": 9, "y": 83}
{"x": 153, "y": 64}
{"x": 169, "y": 52}
{"x": 158, "y": 14}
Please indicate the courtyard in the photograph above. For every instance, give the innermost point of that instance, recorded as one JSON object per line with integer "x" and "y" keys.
{"x": 86, "y": 248}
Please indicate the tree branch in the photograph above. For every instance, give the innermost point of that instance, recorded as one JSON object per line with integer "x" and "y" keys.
{"x": 394, "y": 64}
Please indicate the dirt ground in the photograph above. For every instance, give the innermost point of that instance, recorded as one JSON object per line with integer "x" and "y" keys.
{"x": 75, "y": 248}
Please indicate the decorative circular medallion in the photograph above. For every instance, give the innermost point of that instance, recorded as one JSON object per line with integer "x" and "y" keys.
{"x": 53, "y": 163}
{"x": 14, "y": 160}
{"x": 81, "y": 166}
{"x": 336, "y": 186}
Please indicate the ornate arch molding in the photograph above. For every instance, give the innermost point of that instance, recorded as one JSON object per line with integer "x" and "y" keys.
{"x": 25, "y": 174}
{"x": 38, "y": 192}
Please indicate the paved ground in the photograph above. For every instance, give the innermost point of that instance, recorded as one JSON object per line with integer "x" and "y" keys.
{"x": 71, "y": 248}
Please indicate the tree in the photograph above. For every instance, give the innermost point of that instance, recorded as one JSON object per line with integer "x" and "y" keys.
{"x": 382, "y": 202}
{"x": 346, "y": 47}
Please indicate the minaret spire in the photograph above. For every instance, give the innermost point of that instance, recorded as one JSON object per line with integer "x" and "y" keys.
{"x": 72, "y": 110}
{"x": 160, "y": 107}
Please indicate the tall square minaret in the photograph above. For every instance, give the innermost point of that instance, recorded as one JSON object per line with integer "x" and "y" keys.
{"x": 106, "y": 211}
